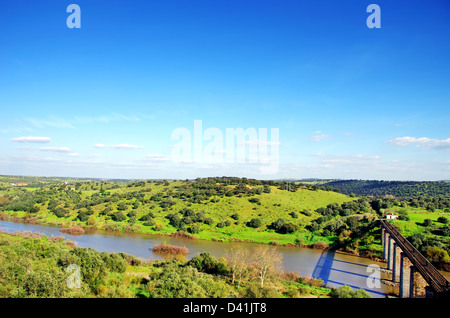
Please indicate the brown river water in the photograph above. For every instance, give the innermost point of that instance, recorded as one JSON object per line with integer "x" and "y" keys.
{"x": 334, "y": 268}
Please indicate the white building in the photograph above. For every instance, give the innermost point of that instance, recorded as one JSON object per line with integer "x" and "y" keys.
{"x": 391, "y": 216}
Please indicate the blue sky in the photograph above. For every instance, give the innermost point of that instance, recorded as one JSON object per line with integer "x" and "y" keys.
{"x": 103, "y": 100}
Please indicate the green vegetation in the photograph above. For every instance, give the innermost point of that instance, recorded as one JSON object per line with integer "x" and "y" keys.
{"x": 394, "y": 188}
{"x": 428, "y": 231}
{"x": 38, "y": 266}
{"x": 222, "y": 209}
{"x": 237, "y": 209}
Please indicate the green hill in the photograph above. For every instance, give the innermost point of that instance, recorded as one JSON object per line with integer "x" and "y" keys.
{"x": 212, "y": 208}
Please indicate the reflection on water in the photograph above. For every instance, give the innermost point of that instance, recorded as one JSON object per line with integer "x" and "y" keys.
{"x": 334, "y": 268}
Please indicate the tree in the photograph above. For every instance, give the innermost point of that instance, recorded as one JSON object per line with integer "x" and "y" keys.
{"x": 206, "y": 263}
{"x": 237, "y": 258}
{"x": 427, "y": 222}
{"x": 442, "y": 219}
{"x": 254, "y": 223}
{"x": 267, "y": 261}
{"x": 119, "y": 216}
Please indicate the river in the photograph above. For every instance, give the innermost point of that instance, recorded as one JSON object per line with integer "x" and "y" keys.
{"x": 334, "y": 268}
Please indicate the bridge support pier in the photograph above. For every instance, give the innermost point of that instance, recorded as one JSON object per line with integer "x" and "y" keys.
{"x": 396, "y": 263}
{"x": 390, "y": 259}
{"x": 384, "y": 235}
{"x": 419, "y": 285}
{"x": 406, "y": 277}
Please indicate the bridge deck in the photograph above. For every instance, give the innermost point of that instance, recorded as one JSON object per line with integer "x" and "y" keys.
{"x": 431, "y": 275}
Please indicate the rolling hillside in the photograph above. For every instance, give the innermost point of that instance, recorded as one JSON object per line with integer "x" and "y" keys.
{"x": 213, "y": 208}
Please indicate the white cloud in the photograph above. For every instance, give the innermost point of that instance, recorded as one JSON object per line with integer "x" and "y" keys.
{"x": 53, "y": 121}
{"x": 260, "y": 143}
{"x": 73, "y": 154}
{"x": 422, "y": 142}
{"x": 106, "y": 118}
{"x": 358, "y": 160}
{"x": 157, "y": 158}
{"x": 119, "y": 146}
{"x": 319, "y": 137}
{"x": 56, "y": 149}
{"x": 32, "y": 139}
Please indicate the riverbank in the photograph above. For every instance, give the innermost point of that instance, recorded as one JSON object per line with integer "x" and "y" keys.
{"x": 274, "y": 239}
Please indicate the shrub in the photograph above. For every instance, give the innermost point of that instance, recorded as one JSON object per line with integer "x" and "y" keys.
{"x": 224, "y": 223}
{"x": 255, "y": 200}
{"x": 294, "y": 215}
{"x": 254, "y": 223}
{"x": 82, "y": 216}
{"x": 254, "y": 290}
{"x": 185, "y": 282}
{"x": 121, "y": 206}
{"x": 306, "y": 212}
{"x": 93, "y": 269}
{"x": 115, "y": 262}
{"x": 283, "y": 227}
{"x": 74, "y": 230}
{"x": 174, "y": 220}
{"x": 147, "y": 217}
{"x": 436, "y": 254}
{"x": 150, "y": 222}
{"x": 207, "y": 263}
{"x": 195, "y": 228}
{"x": 165, "y": 248}
{"x": 320, "y": 245}
{"x": 41, "y": 283}
{"x": 119, "y": 216}
{"x": 347, "y": 292}
{"x": 132, "y": 213}
{"x": 61, "y": 212}
{"x": 442, "y": 219}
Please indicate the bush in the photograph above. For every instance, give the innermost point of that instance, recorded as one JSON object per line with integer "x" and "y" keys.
{"x": 254, "y": 223}
{"x": 176, "y": 281}
{"x": 132, "y": 213}
{"x": 165, "y": 248}
{"x": 61, "y": 212}
{"x": 74, "y": 230}
{"x": 114, "y": 262}
{"x": 254, "y": 290}
{"x": 436, "y": 254}
{"x": 207, "y": 263}
{"x": 195, "y": 228}
{"x": 224, "y": 223}
{"x": 150, "y": 222}
{"x": 121, "y": 206}
{"x": 320, "y": 245}
{"x": 174, "y": 220}
{"x": 82, "y": 216}
{"x": 118, "y": 216}
{"x": 43, "y": 284}
{"x": 93, "y": 269}
{"x": 442, "y": 219}
{"x": 283, "y": 227}
{"x": 255, "y": 200}
{"x": 294, "y": 215}
{"x": 347, "y": 292}
{"x": 306, "y": 212}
